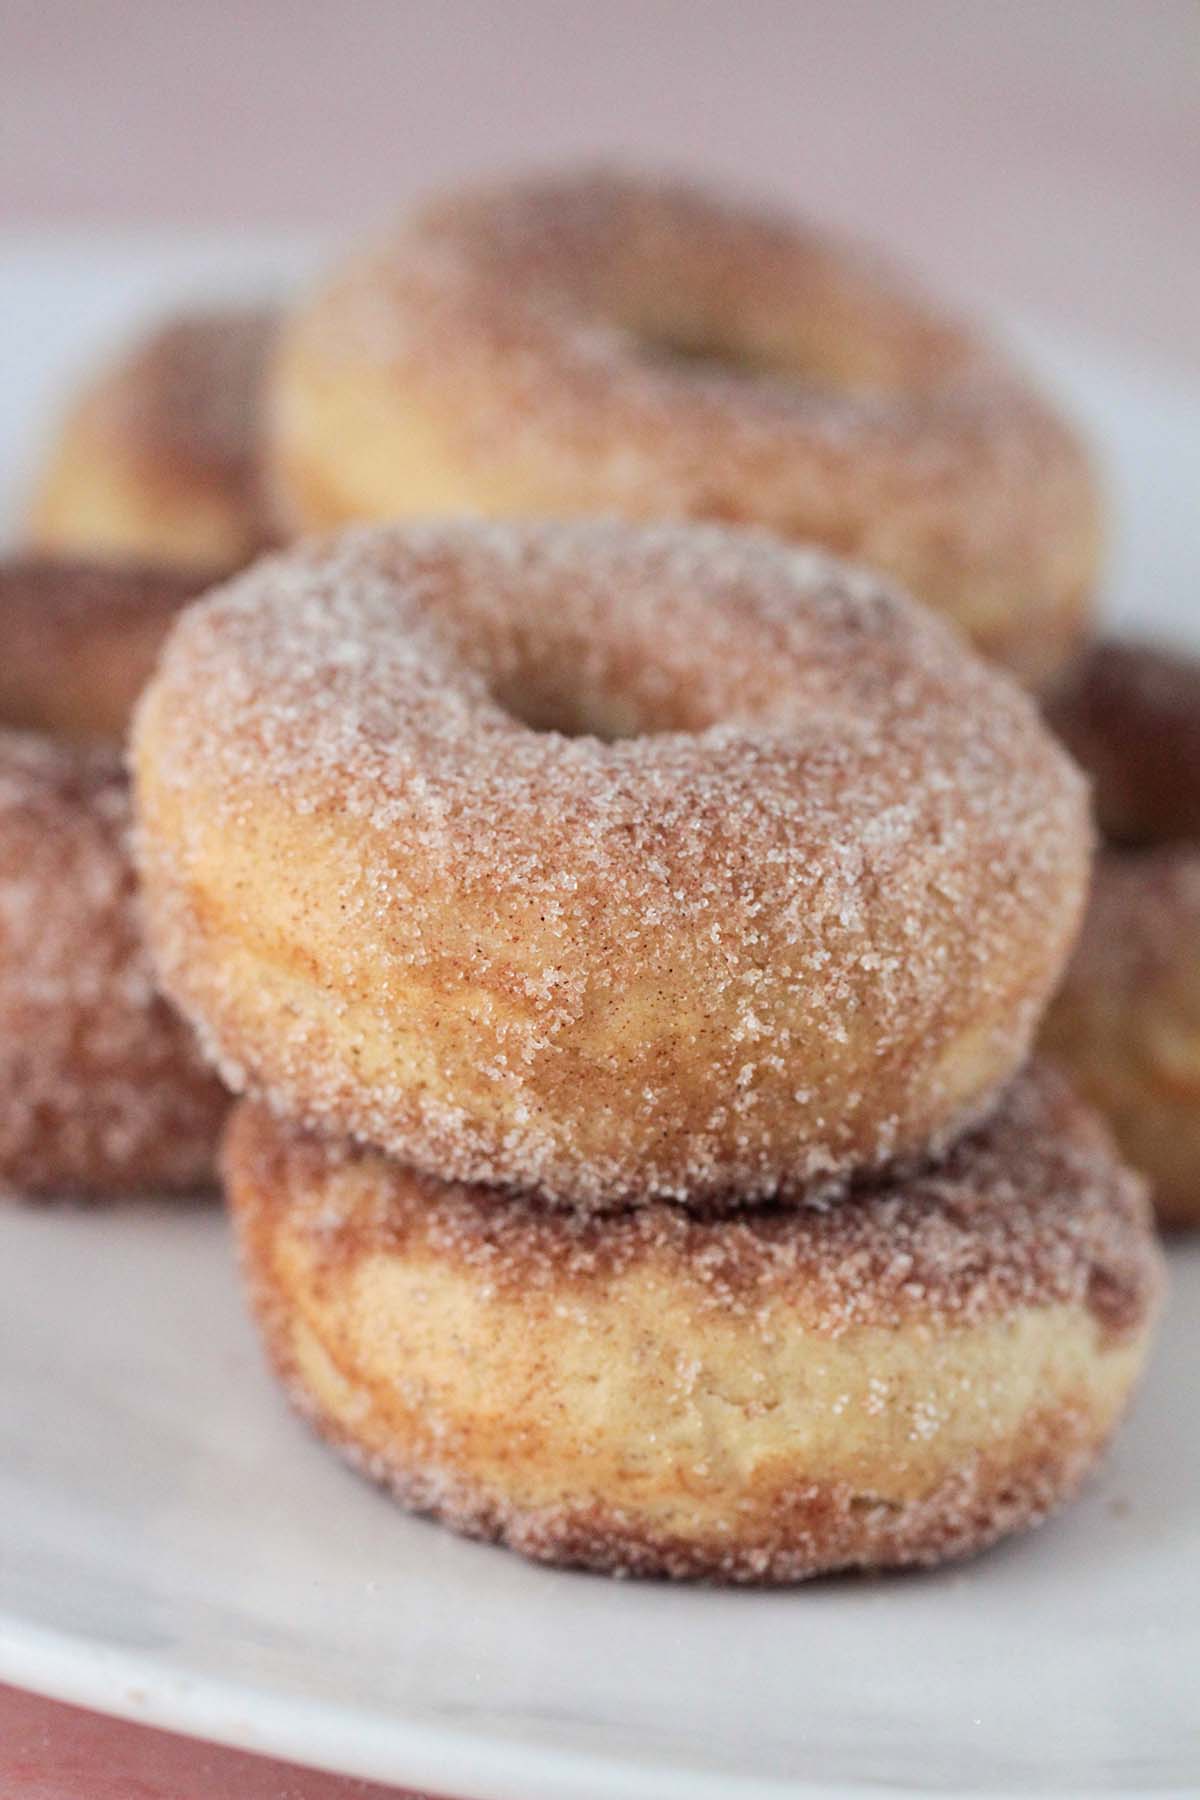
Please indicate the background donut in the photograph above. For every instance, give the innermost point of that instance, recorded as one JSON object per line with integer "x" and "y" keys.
{"x": 1126, "y": 1022}
{"x": 80, "y": 640}
{"x": 1129, "y": 713}
{"x": 102, "y": 1090}
{"x": 901, "y": 1378}
{"x": 597, "y": 343}
{"x": 159, "y": 458}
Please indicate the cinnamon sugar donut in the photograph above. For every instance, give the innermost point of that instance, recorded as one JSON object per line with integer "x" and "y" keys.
{"x": 604, "y": 344}
{"x": 1130, "y": 714}
{"x": 101, "y": 1087}
{"x": 1126, "y": 1023}
{"x": 900, "y": 1378}
{"x": 602, "y": 861}
{"x": 159, "y": 457}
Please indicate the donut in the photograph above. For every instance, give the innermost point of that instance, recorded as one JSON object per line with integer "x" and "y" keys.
{"x": 1129, "y": 712}
{"x": 602, "y": 861}
{"x": 79, "y": 640}
{"x": 1126, "y": 1022}
{"x": 102, "y": 1090}
{"x": 601, "y": 344}
{"x": 900, "y": 1378}
{"x": 158, "y": 459}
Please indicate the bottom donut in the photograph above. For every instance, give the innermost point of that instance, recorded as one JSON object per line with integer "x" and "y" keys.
{"x": 900, "y": 1379}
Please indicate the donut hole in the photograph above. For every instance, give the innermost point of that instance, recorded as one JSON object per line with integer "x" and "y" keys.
{"x": 552, "y": 707}
{"x": 612, "y": 685}
{"x": 798, "y": 349}
{"x": 704, "y": 358}
{"x": 642, "y": 678}
{"x": 620, "y": 687}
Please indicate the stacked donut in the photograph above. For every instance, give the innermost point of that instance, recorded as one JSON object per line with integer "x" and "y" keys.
{"x": 629, "y": 940}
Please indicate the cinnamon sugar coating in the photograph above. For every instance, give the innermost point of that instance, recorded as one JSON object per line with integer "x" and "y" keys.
{"x": 602, "y": 344}
{"x": 102, "y": 1090}
{"x": 160, "y": 457}
{"x": 1130, "y": 714}
{"x": 900, "y": 1378}
{"x": 602, "y": 861}
{"x": 1126, "y": 1022}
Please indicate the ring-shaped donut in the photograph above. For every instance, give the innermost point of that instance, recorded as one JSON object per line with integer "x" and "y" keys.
{"x": 603, "y": 861}
{"x": 603, "y": 344}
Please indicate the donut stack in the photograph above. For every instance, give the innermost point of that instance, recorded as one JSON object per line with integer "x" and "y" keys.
{"x": 594, "y": 343}
{"x": 629, "y": 941}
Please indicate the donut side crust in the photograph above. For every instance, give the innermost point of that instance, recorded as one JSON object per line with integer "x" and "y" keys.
{"x": 898, "y": 1380}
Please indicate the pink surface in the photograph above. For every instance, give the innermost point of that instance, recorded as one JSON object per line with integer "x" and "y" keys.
{"x": 1032, "y": 156}
{"x": 50, "y": 1752}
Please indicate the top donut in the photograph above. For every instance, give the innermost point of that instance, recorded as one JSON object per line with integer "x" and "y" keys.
{"x": 603, "y": 344}
{"x": 607, "y": 862}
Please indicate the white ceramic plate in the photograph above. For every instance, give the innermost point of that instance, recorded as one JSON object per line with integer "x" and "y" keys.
{"x": 174, "y": 1547}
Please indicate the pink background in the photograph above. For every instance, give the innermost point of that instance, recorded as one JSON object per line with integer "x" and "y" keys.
{"x": 1036, "y": 155}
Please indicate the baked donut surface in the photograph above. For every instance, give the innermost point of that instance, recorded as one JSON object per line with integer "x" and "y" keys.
{"x": 1126, "y": 1022}
{"x": 605, "y": 344}
{"x": 1129, "y": 713}
{"x": 102, "y": 1090}
{"x": 159, "y": 457}
{"x": 602, "y": 861}
{"x": 900, "y": 1378}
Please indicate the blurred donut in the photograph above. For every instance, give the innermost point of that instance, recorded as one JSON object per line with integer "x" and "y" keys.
{"x": 900, "y": 1378}
{"x": 600, "y": 860}
{"x": 602, "y": 344}
{"x": 158, "y": 459}
{"x": 79, "y": 641}
{"x": 102, "y": 1090}
{"x": 1126, "y": 1022}
{"x": 1130, "y": 715}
